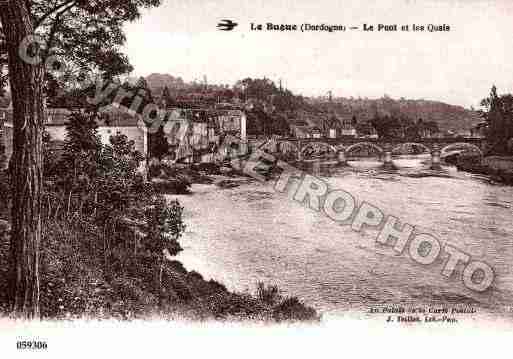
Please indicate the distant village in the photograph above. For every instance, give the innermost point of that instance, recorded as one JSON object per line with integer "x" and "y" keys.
{"x": 211, "y": 118}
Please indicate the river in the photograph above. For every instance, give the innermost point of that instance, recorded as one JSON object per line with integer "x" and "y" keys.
{"x": 251, "y": 233}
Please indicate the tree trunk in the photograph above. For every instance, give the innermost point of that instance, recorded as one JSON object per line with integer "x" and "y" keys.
{"x": 26, "y": 83}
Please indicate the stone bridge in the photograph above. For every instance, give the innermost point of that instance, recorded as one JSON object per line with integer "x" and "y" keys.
{"x": 341, "y": 149}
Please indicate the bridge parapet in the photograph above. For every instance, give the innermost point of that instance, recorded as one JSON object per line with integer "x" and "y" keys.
{"x": 437, "y": 147}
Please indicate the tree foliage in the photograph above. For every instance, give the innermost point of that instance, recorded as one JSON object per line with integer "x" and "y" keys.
{"x": 400, "y": 126}
{"x": 498, "y": 114}
{"x": 269, "y": 106}
{"x": 387, "y": 126}
{"x": 85, "y": 35}
{"x": 105, "y": 179}
{"x": 166, "y": 97}
{"x": 159, "y": 144}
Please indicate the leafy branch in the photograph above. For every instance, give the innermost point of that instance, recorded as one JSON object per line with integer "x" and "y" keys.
{"x": 58, "y": 10}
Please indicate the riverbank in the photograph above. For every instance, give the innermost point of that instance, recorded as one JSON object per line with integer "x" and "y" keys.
{"x": 499, "y": 168}
{"x": 112, "y": 272}
{"x": 250, "y": 233}
{"x": 76, "y": 283}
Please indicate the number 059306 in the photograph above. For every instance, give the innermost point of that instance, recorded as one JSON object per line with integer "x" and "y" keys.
{"x": 31, "y": 345}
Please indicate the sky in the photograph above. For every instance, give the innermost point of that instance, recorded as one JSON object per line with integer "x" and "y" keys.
{"x": 458, "y": 67}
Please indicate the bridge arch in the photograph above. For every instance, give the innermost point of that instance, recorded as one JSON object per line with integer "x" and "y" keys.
{"x": 340, "y": 147}
{"x": 458, "y": 145}
{"x": 314, "y": 145}
{"x": 349, "y": 149}
{"x": 411, "y": 144}
{"x": 287, "y": 147}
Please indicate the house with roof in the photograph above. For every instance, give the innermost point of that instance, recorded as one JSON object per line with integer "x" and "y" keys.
{"x": 479, "y": 130}
{"x": 110, "y": 122}
{"x": 204, "y": 128}
{"x": 195, "y": 132}
{"x": 301, "y": 131}
{"x": 348, "y": 124}
{"x": 317, "y": 132}
{"x": 333, "y": 127}
{"x": 113, "y": 121}
{"x": 366, "y": 130}
{"x": 337, "y": 126}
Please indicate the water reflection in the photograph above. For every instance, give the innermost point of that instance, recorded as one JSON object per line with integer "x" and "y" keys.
{"x": 405, "y": 165}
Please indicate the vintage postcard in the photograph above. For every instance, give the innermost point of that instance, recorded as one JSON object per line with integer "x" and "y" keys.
{"x": 306, "y": 178}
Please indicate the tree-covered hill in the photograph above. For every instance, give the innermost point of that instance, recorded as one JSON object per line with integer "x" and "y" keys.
{"x": 269, "y": 98}
{"x": 448, "y": 117}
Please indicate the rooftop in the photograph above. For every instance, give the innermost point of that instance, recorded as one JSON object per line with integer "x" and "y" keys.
{"x": 120, "y": 117}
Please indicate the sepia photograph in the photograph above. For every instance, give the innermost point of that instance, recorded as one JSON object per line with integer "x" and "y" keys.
{"x": 256, "y": 178}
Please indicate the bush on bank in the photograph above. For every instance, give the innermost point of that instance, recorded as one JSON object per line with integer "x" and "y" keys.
{"x": 476, "y": 165}
{"x": 108, "y": 240}
{"x": 88, "y": 272}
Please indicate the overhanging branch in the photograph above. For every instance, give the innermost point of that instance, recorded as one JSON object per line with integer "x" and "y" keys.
{"x": 59, "y": 9}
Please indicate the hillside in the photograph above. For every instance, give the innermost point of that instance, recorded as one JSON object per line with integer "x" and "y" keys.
{"x": 157, "y": 81}
{"x": 448, "y": 117}
{"x": 316, "y": 110}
